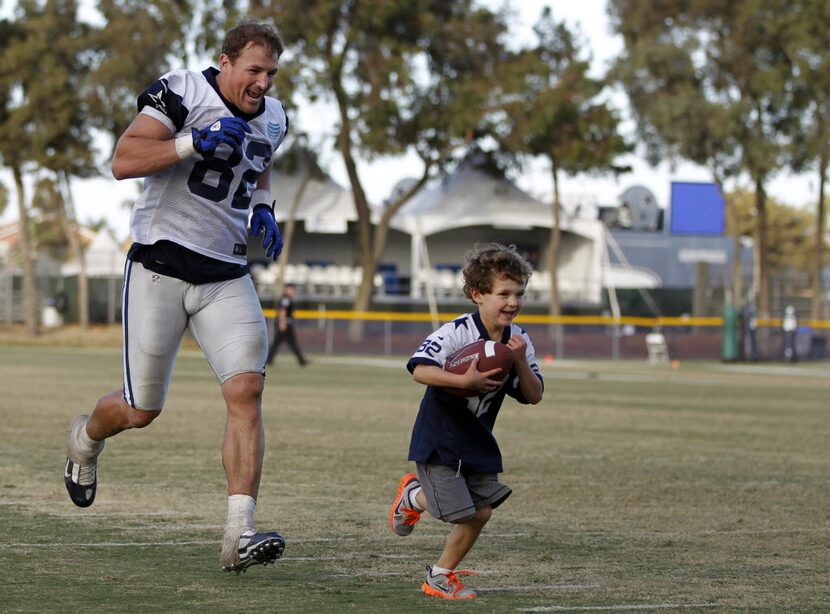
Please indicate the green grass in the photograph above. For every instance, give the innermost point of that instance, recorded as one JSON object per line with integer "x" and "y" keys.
{"x": 705, "y": 488}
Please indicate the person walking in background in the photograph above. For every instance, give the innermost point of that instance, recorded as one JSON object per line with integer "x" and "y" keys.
{"x": 457, "y": 459}
{"x": 204, "y": 141}
{"x": 789, "y": 326}
{"x": 284, "y": 327}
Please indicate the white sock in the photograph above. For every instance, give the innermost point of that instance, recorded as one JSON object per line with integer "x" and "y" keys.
{"x": 85, "y": 445}
{"x": 240, "y": 514}
{"x": 413, "y": 501}
{"x": 437, "y": 571}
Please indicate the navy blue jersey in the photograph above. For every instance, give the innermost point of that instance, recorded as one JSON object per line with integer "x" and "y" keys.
{"x": 458, "y": 431}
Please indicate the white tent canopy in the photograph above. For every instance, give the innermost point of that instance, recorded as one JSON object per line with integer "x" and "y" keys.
{"x": 104, "y": 257}
{"x": 472, "y": 196}
{"x": 475, "y": 194}
{"x": 627, "y": 277}
{"x": 326, "y": 207}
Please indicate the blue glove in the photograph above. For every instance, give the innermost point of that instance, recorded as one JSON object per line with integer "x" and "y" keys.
{"x": 263, "y": 219}
{"x": 230, "y": 130}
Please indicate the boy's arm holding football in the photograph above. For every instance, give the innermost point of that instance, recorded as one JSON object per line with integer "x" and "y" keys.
{"x": 472, "y": 379}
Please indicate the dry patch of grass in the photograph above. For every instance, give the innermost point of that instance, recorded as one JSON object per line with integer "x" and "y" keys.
{"x": 70, "y": 336}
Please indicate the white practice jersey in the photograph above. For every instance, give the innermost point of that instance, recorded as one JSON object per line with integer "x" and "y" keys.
{"x": 462, "y": 331}
{"x": 202, "y": 204}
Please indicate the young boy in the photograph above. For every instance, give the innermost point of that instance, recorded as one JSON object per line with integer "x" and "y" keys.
{"x": 456, "y": 456}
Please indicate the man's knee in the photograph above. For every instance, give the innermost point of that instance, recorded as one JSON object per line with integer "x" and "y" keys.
{"x": 244, "y": 388}
{"x": 130, "y": 417}
{"x": 139, "y": 418}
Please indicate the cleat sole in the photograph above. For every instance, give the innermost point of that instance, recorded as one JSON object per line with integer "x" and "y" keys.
{"x": 264, "y": 554}
{"x": 432, "y": 592}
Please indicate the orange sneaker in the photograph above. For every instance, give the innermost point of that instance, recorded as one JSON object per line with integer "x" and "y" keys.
{"x": 447, "y": 585}
{"x": 402, "y": 516}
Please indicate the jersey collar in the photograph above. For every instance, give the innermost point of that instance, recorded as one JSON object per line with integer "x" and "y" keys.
{"x": 482, "y": 330}
{"x": 210, "y": 75}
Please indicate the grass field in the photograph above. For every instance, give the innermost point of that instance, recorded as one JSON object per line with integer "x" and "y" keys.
{"x": 705, "y": 488}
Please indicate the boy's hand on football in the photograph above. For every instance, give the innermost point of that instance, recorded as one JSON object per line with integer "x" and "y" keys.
{"x": 481, "y": 381}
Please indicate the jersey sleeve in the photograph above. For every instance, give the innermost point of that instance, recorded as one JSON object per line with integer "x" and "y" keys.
{"x": 513, "y": 389}
{"x": 164, "y": 100}
{"x": 435, "y": 349}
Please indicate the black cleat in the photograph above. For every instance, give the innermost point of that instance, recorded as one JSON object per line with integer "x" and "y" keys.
{"x": 81, "y": 482}
{"x": 258, "y": 549}
{"x": 80, "y": 476}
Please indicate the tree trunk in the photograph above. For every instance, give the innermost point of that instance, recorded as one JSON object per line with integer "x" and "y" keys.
{"x": 72, "y": 231}
{"x": 554, "y": 305}
{"x": 699, "y": 300}
{"x": 361, "y": 204}
{"x": 288, "y": 235}
{"x": 735, "y": 296}
{"x": 368, "y": 266}
{"x": 760, "y": 263}
{"x": 737, "y": 271}
{"x": 28, "y": 257}
{"x": 370, "y": 244}
{"x": 367, "y": 282}
{"x": 818, "y": 262}
{"x": 363, "y": 298}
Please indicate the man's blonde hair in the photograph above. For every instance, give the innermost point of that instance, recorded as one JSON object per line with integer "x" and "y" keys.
{"x": 251, "y": 31}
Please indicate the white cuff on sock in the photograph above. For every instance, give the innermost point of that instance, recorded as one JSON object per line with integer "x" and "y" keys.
{"x": 88, "y": 445}
{"x": 413, "y": 499}
{"x": 240, "y": 513}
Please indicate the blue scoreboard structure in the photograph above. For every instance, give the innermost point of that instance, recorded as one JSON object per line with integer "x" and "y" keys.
{"x": 696, "y": 209}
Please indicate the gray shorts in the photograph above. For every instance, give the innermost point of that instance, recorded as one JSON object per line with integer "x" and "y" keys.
{"x": 225, "y": 318}
{"x": 452, "y": 496}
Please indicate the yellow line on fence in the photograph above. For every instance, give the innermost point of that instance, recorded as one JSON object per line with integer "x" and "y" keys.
{"x": 396, "y": 316}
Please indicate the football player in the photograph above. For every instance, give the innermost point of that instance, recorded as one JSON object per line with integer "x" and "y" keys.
{"x": 457, "y": 459}
{"x": 204, "y": 142}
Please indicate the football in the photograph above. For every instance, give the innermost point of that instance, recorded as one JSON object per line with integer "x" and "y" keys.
{"x": 490, "y": 354}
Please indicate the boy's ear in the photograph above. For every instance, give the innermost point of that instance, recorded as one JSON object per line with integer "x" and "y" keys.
{"x": 475, "y": 295}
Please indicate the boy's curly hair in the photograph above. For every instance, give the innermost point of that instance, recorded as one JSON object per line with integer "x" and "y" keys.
{"x": 487, "y": 262}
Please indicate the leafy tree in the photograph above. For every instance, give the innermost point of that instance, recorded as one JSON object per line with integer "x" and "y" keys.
{"x": 142, "y": 39}
{"x": 791, "y": 237}
{"x": 553, "y": 109}
{"x": 13, "y": 150}
{"x": 708, "y": 82}
{"x": 403, "y": 75}
{"x": 4, "y": 197}
{"x": 99, "y": 224}
{"x": 51, "y": 65}
{"x": 47, "y": 210}
{"x": 810, "y": 47}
